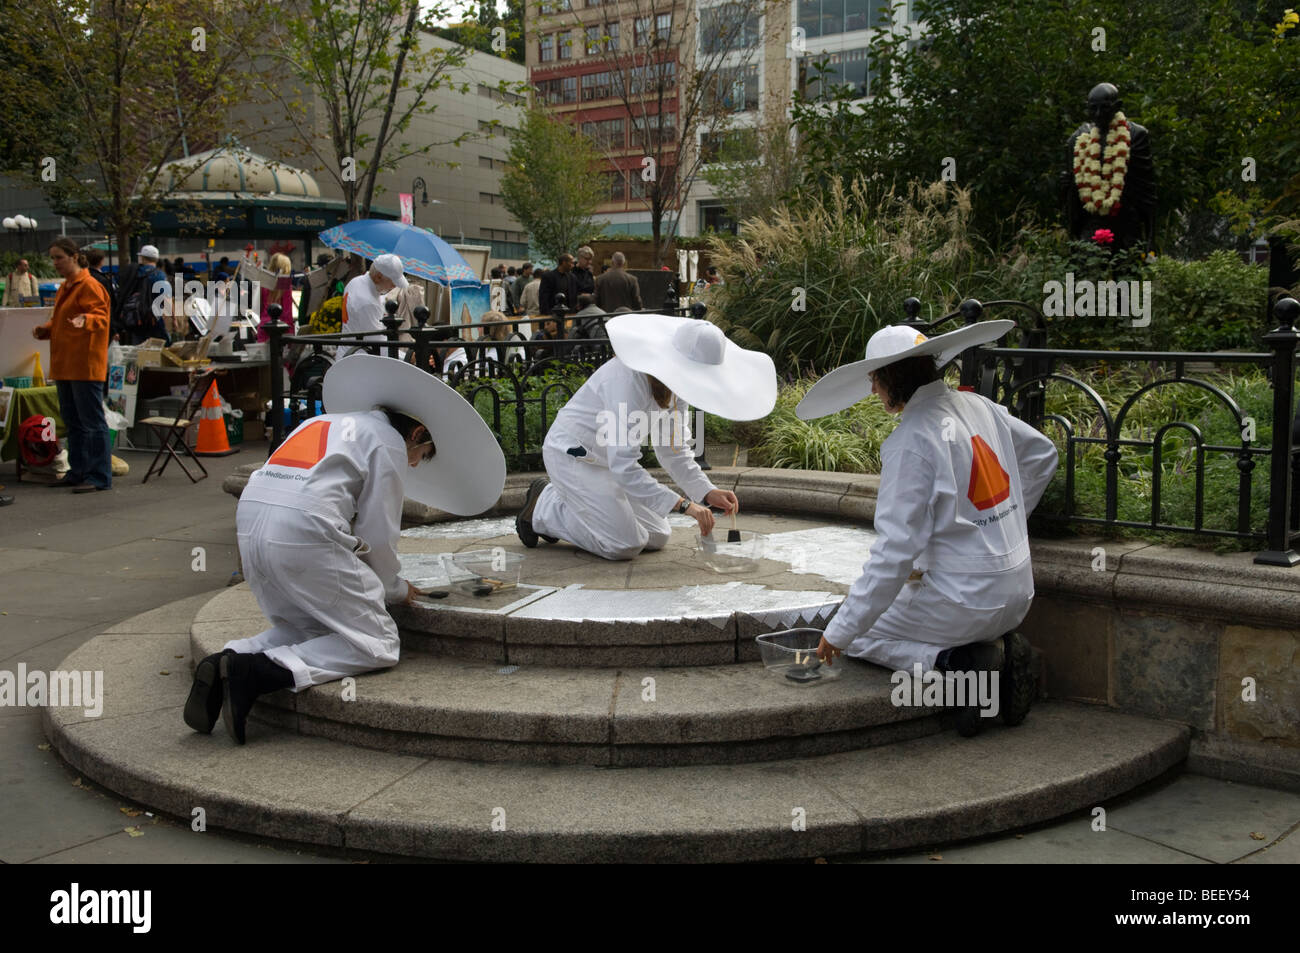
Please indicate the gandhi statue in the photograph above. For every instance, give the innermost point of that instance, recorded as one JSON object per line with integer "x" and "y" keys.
{"x": 1110, "y": 183}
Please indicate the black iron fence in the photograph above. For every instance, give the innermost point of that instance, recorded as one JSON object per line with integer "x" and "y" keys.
{"x": 1018, "y": 378}
{"x": 516, "y": 381}
{"x": 521, "y": 383}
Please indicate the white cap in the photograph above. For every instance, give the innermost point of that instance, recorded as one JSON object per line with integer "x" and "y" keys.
{"x": 149, "y": 251}
{"x": 390, "y": 266}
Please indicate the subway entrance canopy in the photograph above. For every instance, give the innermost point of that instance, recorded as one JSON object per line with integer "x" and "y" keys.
{"x": 233, "y": 193}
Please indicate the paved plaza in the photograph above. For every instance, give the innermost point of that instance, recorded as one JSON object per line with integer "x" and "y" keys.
{"x": 79, "y": 566}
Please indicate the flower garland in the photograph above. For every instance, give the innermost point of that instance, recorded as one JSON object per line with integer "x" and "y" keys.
{"x": 1101, "y": 184}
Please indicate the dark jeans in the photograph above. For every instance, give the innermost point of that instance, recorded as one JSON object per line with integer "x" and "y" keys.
{"x": 82, "y": 405}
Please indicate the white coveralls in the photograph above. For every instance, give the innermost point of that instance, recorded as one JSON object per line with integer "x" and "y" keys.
{"x": 318, "y": 526}
{"x": 363, "y": 310}
{"x": 605, "y": 502}
{"x": 946, "y": 509}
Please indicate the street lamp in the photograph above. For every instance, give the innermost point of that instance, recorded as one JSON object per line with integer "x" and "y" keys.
{"x": 20, "y": 223}
{"x": 459, "y": 224}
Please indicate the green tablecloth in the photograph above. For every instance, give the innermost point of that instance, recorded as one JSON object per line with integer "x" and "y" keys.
{"x": 43, "y": 401}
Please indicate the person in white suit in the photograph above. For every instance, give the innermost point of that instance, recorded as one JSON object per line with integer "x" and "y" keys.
{"x": 599, "y": 496}
{"x": 950, "y": 573}
{"x": 318, "y": 526}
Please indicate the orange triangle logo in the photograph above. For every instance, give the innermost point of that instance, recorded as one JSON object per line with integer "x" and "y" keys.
{"x": 989, "y": 483}
{"x": 305, "y": 447}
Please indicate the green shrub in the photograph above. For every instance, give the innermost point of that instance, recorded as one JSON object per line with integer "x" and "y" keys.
{"x": 847, "y": 442}
{"x": 558, "y": 384}
{"x": 1214, "y": 304}
{"x": 813, "y": 283}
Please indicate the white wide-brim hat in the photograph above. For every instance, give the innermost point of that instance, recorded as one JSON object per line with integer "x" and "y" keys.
{"x": 694, "y": 360}
{"x": 845, "y": 386}
{"x": 468, "y": 471}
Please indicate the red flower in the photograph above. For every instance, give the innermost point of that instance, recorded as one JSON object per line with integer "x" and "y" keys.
{"x": 1103, "y": 236}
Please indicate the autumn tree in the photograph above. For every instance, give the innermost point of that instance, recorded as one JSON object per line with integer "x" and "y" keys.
{"x": 350, "y": 79}
{"x": 126, "y": 84}
{"x": 553, "y": 183}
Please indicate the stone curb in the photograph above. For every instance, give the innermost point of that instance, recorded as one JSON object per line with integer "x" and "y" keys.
{"x": 922, "y": 791}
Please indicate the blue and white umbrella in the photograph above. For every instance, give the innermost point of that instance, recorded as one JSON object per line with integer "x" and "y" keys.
{"x": 423, "y": 253}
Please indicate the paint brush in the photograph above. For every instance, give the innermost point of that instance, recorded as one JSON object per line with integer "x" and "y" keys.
{"x": 733, "y": 534}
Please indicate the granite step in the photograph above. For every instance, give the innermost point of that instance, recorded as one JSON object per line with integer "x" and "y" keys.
{"x": 457, "y": 708}
{"x": 286, "y": 785}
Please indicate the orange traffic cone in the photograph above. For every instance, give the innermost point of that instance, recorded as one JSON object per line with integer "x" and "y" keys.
{"x": 212, "y": 440}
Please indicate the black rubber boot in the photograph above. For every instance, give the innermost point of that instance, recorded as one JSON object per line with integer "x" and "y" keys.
{"x": 524, "y": 521}
{"x": 203, "y": 707}
{"x": 976, "y": 657}
{"x": 1018, "y": 687}
{"x": 245, "y": 677}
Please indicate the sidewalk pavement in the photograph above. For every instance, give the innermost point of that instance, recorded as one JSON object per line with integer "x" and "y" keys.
{"x": 72, "y": 566}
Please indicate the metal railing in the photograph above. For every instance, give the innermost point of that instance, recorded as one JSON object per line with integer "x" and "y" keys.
{"x": 509, "y": 381}
{"x": 1017, "y": 377}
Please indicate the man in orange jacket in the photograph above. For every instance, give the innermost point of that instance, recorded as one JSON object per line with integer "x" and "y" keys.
{"x": 78, "y": 336}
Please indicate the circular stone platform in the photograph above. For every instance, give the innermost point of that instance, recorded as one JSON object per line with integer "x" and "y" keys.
{"x": 492, "y": 738}
{"x": 663, "y": 608}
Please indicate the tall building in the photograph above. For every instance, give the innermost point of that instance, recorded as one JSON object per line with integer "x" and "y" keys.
{"x": 748, "y": 56}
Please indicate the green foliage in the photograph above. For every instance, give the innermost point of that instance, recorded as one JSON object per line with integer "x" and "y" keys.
{"x": 1251, "y": 391}
{"x": 756, "y": 169}
{"x": 1210, "y": 305}
{"x": 480, "y": 34}
{"x": 358, "y": 74}
{"x": 811, "y": 284}
{"x": 850, "y": 442}
{"x": 554, "y": 182}
{"x": 116, "y": 88}
{"x": 40, "y": 264}
{"x": 999, "y": 85}
{"x": 554, "y": 385}
{"x": 847, "y": 442}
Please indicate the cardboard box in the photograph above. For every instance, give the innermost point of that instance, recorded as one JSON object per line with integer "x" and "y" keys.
{"x": 149, "y": 356}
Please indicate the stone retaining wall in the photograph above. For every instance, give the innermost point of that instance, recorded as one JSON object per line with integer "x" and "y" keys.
{"x": 1180, "y": 634}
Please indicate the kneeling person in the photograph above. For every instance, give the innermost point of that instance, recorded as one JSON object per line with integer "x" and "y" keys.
{"x": 318, "y": 526}
{"x": 600, "y": 498}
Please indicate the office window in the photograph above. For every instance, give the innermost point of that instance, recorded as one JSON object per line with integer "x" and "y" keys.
{"x": 605, "y": 133}
{"x": 736, "y": 89}
{"x": 596, "y": 86}
{"x": 485, "y": 162}
{"x": 569, "y": 89}
{"x": 546, "y": 47}
{"x": 654, "y": 131}
{"x": 641, "y": 31}
{"x": 617, "y": 186}
{"x": 566, "y": 45}
{"x": 594, "y": 34}
{"x": 810, "y": 17}
{"x": 611, "y": 31}
{"x": 846, "y": 68}
{"x": 663, "y": 26}
{"x": 722, "y": 28}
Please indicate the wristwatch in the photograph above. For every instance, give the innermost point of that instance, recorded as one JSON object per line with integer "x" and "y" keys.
{"x": 683, "y": 506}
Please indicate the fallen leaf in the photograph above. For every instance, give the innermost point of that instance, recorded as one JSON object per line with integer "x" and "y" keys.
{"x": 44, "y": 747}
{"x": 77, "y": 783}
{"x": 164, "y": 672}
{"x": 134, "y": 831}
{"x": 178, "y": 656}
{"x": 936, "y": 856}
{"x": 820, "y": 860}
{"x": 129, "y": 812}
{"x": 1020, "y": 837}
{"x": 1255, "y": 835}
